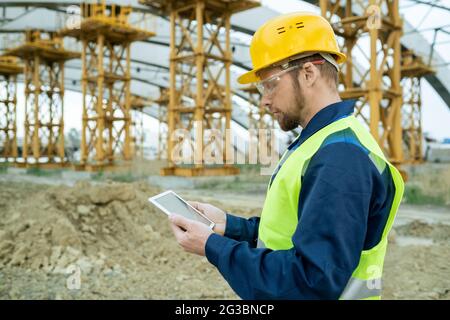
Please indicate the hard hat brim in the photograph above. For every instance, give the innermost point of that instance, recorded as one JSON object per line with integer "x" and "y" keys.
{"x": 248, "y": 77}
{"x": 251, "y": 77}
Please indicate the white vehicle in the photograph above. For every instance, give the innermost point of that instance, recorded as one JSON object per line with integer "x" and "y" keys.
{"x": 438, "y": 152}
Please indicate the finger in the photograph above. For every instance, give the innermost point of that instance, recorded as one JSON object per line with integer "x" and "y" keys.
{"x": 195, "y": 204}
{"x": 199, "y": 206}
{"x": 177, "y": 231}
{"x": 180, "y": 221}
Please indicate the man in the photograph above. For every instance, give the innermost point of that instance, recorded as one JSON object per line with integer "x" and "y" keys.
{"x": 332, "y": 200}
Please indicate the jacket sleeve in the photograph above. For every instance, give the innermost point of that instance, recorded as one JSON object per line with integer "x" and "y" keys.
{"x": 327, "y": 244}
{"x": 242, "y": 229}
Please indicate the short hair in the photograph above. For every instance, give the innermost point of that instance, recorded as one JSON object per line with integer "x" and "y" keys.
{"x": 327, "y": 70}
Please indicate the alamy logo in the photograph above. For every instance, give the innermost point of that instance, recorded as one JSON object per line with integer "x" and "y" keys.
{"x": 374, "y": 272}
{"x": 374, "y": 19}
{"x": 73, "y": 281}
{"x": 74, "y": 19}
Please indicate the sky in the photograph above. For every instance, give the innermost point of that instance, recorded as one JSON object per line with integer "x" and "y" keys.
{"x": 436, "y": 115}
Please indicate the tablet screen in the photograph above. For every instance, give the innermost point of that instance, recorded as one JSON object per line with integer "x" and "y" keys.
{"x": 172, "y": 203}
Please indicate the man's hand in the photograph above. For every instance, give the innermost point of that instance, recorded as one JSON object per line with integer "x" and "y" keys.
{"x": 191, "y": 235}
{"x": 216, "y": 215}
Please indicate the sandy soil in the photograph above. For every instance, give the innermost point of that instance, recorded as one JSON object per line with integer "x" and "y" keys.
{"x": 123, "y": 248}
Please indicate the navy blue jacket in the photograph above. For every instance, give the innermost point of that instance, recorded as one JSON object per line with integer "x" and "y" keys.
{"x": 343, "y": 207}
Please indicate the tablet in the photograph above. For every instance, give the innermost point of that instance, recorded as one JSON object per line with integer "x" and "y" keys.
{"x": 169, "y": 202}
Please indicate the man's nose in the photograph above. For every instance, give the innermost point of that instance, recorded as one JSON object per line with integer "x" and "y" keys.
{"x": 266, "y": 102}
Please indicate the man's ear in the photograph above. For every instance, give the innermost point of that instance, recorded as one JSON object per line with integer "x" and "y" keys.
{"x": 310, "y": 74}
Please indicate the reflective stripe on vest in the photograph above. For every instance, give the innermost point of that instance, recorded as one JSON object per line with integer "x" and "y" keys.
{"x": 279, "y": 217}
{"x": 357, "y": 289}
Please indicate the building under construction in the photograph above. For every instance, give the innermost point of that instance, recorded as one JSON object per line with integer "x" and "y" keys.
{"x": 177, "y": 62}
{"x": 107, "y": 107}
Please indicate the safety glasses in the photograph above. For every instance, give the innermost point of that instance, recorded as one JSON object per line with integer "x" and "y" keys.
{"x": 267, "y": 86}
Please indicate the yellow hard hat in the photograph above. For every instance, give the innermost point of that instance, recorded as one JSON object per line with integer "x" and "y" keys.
{"x": 290, "y": 35}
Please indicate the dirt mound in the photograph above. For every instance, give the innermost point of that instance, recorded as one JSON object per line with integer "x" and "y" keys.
{"x": 125, "y": 248}
{"x": 437, "y": 232}
{"x": 121, "y": 244}
{"x": 416, "y": 265}
{"x": 87, "y": 225}
{"x": 416, "y": 272}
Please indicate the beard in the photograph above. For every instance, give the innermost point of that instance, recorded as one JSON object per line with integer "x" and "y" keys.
{"x": 291, "y": 119}
{"x": 287, "y": 122}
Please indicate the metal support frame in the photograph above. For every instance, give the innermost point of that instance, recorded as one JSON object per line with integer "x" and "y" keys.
{"x": 137, "y": 127}
{"x": 138, "y": 133}
{"x": 413, "y": 69}
{"x": 375, "y": 83}
{"x": 106, "y": 36}
{"x": 163, "y": 130}
{"x": 200, "y": 62}
{"x": 44, "y": 57}
{"x": 9, "y": 69}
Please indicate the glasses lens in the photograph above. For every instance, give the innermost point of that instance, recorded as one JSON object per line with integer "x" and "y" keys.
{"x": 260, "y": 88}
{"x": 267, "y": 86}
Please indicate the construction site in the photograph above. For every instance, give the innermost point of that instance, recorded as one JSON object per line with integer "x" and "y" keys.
{"x": 106, "y": 103}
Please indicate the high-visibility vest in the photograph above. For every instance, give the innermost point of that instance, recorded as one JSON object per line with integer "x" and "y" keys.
{"x": 279, "y": 217}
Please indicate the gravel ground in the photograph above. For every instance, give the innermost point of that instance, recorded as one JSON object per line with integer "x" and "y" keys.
{"x": 105, "y": 241}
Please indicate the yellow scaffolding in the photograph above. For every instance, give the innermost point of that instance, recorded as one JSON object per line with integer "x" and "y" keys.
{"x": 138, "y": 103}
{"x": 9, "y": 69}
{"x": 375, "y": 83}
{"x": 106, "y": 36}
{"x": 137, "y": 125}
{"x": 412, "y": 71}
{"x": 200, "y": 62}
{"x": 162, "y": 102}
{"x": 44, "y": 57}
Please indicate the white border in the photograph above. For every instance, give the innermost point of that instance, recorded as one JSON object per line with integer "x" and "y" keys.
{"x": 163, "y": 209}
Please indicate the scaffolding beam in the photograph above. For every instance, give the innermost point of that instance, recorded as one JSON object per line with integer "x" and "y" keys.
{"x": 137, "y": 126}
{"x": 44, "y": 57}
{"x": 9, "y": 69}
{"x": 106, "y": 37}
{"x": 162, "y": 103}
{"x": 200, "y": 62}
{"x": 412, "y": 70}
{"x": 373, "y": 35}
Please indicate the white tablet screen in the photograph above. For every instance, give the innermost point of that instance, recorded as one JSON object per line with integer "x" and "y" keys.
{"x": 172, "y": 203}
